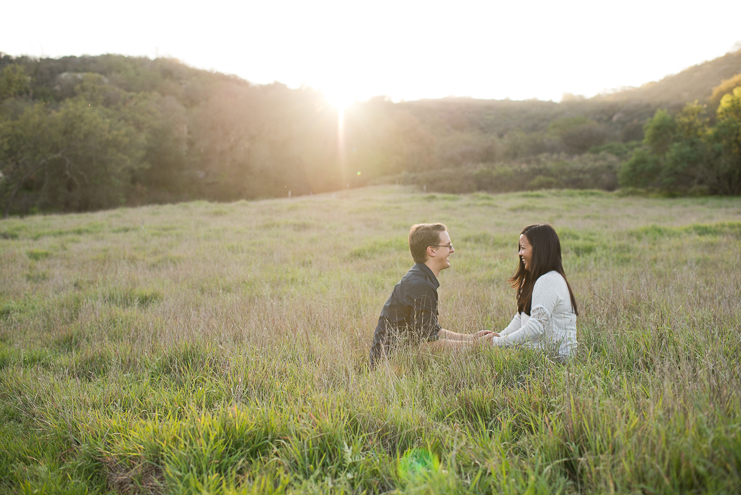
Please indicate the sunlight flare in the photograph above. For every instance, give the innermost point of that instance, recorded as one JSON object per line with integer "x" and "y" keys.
{"x": 339, "y": 97}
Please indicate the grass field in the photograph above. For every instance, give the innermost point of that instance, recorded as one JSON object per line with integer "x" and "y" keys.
{"x": 222, "y": 348}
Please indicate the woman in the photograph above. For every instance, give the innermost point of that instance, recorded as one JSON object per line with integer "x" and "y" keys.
{"x": 546, "y": 309}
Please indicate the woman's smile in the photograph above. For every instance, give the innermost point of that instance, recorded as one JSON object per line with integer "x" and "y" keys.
{"x": 526, "y": 251}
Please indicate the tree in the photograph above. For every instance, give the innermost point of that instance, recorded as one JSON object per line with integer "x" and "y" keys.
{"x": 13, "y": 82}
{"x": 80, "y": 156}
{"x": 25, "y": 147}
{"x": 726, "y": 137}
{"x": 641, "y": 170}
{"x": 688, "y": 163}
{"x": 659, "y": 132}
{"x": 578, "y": 134}
{"x": 725, "y": 87}
{"x": 684, "y": 154}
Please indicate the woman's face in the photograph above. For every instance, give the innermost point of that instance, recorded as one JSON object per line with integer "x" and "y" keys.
{"x": 526, "y": 251}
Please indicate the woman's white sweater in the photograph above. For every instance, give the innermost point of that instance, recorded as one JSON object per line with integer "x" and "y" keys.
{"x": 552, "y": 322}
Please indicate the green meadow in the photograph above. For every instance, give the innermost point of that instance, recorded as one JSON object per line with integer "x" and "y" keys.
{"x": 222, "y": 348}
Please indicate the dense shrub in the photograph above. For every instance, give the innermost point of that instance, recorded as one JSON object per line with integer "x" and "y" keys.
{"x": 545, "y": 171}
{"x": 684, "y": 154}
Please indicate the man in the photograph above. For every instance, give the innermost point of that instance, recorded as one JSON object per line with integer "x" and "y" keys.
{"x": 410, "y": 314}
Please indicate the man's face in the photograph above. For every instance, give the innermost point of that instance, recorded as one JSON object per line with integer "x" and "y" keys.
{"x": 443, "y": 251}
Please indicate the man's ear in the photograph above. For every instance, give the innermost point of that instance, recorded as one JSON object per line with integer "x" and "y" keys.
{"x": 430, "y": 252}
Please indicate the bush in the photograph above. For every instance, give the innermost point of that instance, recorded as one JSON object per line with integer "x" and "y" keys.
{"x": 642, "y": 170}
{"x": 684, "y": 155}
{"x": 545, "y": 171}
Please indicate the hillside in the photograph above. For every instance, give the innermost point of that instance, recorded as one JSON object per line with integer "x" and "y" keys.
{"x": 694, "y": 83}
{"x": 620, "y": 110}
{"x": 88, "y": 133}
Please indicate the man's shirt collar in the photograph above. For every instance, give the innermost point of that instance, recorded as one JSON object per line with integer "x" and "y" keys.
{"x": 426, "y": 270}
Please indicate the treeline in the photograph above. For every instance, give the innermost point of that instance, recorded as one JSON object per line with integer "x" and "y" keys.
{"x": 97, "y": 132}
{"x": 695, "y": 150}
{"x": 684, "y": 153}
{"x": 85, "y": 133}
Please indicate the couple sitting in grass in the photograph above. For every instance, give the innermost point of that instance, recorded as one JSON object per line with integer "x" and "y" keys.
{"x": 546, "y": 309}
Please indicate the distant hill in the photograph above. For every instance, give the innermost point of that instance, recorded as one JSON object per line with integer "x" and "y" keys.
{"x": 622, "y": 113}
{"x": 160, "y": 131}
{"x": 695, "y": 83}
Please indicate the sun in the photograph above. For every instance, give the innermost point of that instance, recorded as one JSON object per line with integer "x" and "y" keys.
{"x": 340, "y": 98}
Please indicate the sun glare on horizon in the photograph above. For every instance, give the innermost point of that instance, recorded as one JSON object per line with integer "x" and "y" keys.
{"x": 339, "y": 98}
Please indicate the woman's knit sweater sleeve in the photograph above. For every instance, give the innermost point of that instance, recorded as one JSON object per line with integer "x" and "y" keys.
{"x": 544, "y": 300}
{"x": 513, "y": 326}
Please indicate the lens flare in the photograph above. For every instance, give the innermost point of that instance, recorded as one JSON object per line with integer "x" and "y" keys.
{"x": 416, "y": 463}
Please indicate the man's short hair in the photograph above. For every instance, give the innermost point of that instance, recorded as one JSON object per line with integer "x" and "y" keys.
{"x": 423, "y": 235}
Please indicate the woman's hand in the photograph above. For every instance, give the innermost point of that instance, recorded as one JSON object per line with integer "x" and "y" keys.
{"x": 485, "y": 334}
{"x": 491, "y": 339}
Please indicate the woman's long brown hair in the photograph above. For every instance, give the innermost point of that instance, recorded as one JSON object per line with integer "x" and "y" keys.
{"x": 546, "y": 257}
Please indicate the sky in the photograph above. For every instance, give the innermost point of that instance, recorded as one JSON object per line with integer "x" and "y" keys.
{"x": 406, "y": 50}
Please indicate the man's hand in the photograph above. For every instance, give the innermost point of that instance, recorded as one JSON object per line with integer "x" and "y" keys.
{"x": 484, "y": 333}
{"x": 492, "y": 339}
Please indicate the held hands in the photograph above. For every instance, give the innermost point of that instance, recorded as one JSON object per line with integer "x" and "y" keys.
{"x": 490, "y": 338}
{"x": 485, "y": 337}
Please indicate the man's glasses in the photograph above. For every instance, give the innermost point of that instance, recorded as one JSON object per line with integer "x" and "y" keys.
{"x": 449, "y": 246}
